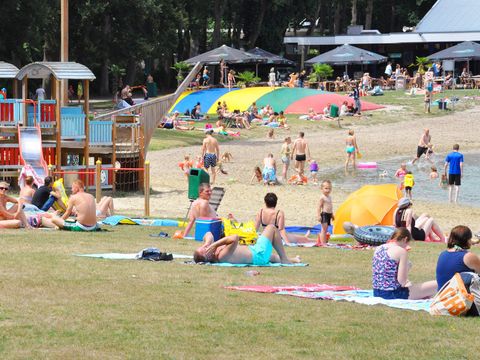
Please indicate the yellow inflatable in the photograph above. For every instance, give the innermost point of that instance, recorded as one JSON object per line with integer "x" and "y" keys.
{"x": 62, "y": 202}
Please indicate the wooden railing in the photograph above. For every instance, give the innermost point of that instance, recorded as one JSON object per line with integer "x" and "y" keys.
{"x": 153, "y": 111}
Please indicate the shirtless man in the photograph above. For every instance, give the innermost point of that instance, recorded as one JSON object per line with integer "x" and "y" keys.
{"x": 300, "y": 150}
{"x": 14, "y": 217}
{"x": 85, "y": 208}
{"x": 210, "y": 154}
{"x": 227, "y": 250}
{"x": 423, "y": 144}
{"x": 200, "y": 207}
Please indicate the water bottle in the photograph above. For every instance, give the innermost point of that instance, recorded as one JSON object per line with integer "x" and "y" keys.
{"x": 252, "y": 273}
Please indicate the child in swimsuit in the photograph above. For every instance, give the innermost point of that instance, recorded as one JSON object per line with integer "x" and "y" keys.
{"x": 325, "y": 212}
{"x": 408, "y": 182}
{"x": 433, "y": 173}
{"x": 313, "y": 171}
{"x": 257, "y": 173}
{"x": 400, "y": 174}
{"x": 186, "y": 165}
{"x": 443, "y": 181}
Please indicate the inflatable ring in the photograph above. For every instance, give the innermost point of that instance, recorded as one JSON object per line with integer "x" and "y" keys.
{"x": 373, "y": 235}
{"x": 367, "y": 165}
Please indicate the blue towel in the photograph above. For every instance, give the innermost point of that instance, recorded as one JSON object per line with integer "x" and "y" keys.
{"x": 303, "y": 229}
{"x": 120, "y": 256}
{"x": 115, "y": 220}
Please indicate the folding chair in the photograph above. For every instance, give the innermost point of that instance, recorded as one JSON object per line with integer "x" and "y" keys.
{"x": 216, "y": 198}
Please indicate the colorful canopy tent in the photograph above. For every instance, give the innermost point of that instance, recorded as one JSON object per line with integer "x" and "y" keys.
{"x": 228, "y": 54}
{"x": 369, "y": 205}
{"x": 319, "y": 101}
{"x": 289, "y": 100}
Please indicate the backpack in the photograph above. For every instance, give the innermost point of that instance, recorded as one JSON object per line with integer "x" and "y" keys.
{"x": 452, "y": 299}
{"x": 153, "y": 254}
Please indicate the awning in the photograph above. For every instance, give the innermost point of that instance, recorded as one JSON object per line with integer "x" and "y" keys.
{"x": 7, "y": 71}
{"x": 60, "y": 70}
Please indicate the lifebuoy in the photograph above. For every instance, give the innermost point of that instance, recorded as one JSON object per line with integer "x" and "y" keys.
{"x": 373, "y": 235}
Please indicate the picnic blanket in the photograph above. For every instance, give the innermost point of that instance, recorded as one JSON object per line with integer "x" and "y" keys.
{"x": 345, "y": 293}
{"x": 130, "y": 256}
{"x": 305, "y": 287}
{"x": 332, "y": 246}
{"x": 247, "y": 265}
{"x": 125, "y": 220}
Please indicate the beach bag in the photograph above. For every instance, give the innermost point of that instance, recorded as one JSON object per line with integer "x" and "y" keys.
{"x": 246, "y": 231}
{"x": 153, "y": 254}
{"x": 452, "y": 299}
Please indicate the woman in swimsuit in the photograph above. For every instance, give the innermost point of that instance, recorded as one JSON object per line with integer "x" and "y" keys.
{"x": 270, "y": 216}
{"x": 26, "y": 193}
{"x": 421, "y": 227}
{"x": 285, "y": 153}
{"x": 351, "y": 148}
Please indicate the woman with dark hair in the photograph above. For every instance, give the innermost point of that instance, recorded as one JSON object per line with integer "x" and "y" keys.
{"x": 269, "y": 215}
{"x": 390, "y": 267}
{"x": 457, "y": 258}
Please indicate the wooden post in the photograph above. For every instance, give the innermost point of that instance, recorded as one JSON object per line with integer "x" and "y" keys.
{"x": 64, "y": 48}
{"x": 141, "y": 153}
{"x": 147, "y": 188}
{"x": 98, "y": 180}
{"x": 114, "y": 151}
{"x": 25, "y": 97}
{"x": 86, "y": 149}
{"x": 50, "y": 170}
{"x": 58, "y": 119}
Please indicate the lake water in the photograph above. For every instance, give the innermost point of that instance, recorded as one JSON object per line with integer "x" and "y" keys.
{"x": 424, "y": 189}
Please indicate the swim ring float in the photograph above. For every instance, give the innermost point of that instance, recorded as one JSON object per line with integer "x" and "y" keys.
{"x": 367, "y": 165}
{"x": 373, "y": 235}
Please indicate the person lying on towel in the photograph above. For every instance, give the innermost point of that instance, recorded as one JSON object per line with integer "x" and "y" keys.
{"x": 228, "y": 250}
{"x": 85, "y": 208}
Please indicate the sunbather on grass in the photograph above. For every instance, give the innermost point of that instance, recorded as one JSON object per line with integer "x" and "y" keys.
{"x": 228, "y": 250}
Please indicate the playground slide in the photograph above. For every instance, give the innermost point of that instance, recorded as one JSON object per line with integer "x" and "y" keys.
{"x": 31, "y": 153}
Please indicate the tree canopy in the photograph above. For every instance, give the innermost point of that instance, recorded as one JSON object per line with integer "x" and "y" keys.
{"x": 149, "y": 36}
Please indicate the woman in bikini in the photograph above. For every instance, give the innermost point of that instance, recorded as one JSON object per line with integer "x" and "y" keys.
{"x": 351, "y": 148}
{"x": 270, "y": 216}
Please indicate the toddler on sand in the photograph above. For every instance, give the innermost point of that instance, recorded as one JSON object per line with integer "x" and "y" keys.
{"x": 313, "y": 171}
{"x": 325, "y": 211}
{"x": 408, "y": 182}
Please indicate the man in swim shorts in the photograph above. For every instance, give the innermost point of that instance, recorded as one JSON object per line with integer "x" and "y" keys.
{"x": 228, "y": 250}
{"x": 85, "y": 208}
{"x": 300, "y": 150}
{"x": 422, "y": 147}
{"x": 210, "y": 154}
{"x": 201, "y": 207}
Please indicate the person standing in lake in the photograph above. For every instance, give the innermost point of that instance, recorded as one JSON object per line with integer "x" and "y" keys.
{"x": 454, "y": 163}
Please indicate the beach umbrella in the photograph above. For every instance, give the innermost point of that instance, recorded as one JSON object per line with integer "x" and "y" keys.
{"x": 271, "y": 58}
{"x": 467, "y": 50}
{"x": 369, "y": 205}
{"x": 347, "y": 55}
{"x": 227, "y": 54}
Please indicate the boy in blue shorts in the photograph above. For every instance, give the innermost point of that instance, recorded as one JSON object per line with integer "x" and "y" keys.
{"x": 228, "y": 250}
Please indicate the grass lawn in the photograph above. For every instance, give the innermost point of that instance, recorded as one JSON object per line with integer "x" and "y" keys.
{"x": 55, "y": 305}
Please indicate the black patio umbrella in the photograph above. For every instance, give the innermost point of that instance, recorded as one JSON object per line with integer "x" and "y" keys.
{"x": 227, "y": 54}
{"x": 272, "y": 58}
{"x": 467, "y": 50}
{"x": 347, "y": 55}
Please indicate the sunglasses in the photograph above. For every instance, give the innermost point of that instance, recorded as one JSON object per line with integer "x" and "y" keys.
{"x": 3, "y": 188}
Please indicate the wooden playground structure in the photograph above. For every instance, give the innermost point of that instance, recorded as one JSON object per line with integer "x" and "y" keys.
{"x": 67, "y": 141}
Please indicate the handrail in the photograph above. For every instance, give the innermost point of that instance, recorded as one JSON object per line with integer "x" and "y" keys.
{"x": 153, "y": 111}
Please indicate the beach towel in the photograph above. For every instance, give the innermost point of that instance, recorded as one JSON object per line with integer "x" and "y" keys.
{"x": 303, "y": 229}
{"x": 337, "y": 293}
{"x": 332, "y": 246}
{"x": 305, "y": 287}
{"x": 362, "y": 297}
{"x": 125, "y": 220}
{"x": 129, "y": 256}
{"x": 247, "y": 265}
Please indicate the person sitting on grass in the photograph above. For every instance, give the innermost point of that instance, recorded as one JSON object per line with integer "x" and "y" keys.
{"x": 85, "y": 208}
{"x": 105, "y": 207}
{"x": 14, "y": 217}
{"x": 390, "y": 267}
{"x": 228, "y": 250}
{"x": 201, "y": 207}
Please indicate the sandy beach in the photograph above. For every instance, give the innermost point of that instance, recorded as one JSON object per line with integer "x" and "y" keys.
{"x": 376, "y": 142}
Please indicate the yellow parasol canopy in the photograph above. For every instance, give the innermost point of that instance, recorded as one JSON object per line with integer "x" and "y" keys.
{"x": 369, "y": 205}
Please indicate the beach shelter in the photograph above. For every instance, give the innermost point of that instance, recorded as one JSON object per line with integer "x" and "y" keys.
{"x": 369, "y": 205}
{"x": 227, "y": 54}
{"x": 347, "y": 55}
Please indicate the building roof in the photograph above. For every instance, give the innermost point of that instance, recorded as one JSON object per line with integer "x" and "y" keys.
{"x": 228, "y": 54}
{"x": 7, "y": 71}
{"x": 346, "y": 55}
{"x": 451, "y": 16}
{"x": 60, "y": 70}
